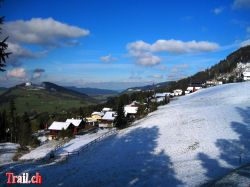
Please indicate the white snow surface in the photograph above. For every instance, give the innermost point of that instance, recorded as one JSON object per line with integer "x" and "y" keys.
{"x": 73, "y": 145}
{"x": 7, "y": 152}
{"x": 193, "y": 140}
{"x": 77, "y": 143}
{"x": 41, "y": 151}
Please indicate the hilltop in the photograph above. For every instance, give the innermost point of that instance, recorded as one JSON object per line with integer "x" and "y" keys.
{"x": 93, "y": 91}
{"x": 47, "y": 97}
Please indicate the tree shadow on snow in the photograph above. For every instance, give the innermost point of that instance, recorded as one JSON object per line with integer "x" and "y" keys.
{"x": 125, "y": 159}
{"x": 130, "y": 160}
{"x": 234, "y": 152}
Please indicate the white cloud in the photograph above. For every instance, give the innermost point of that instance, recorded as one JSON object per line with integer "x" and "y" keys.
{"x": 218, "y": 10}
{"x": 245, "y": 43}
{"x": 19, "y": 51}
{"x": 144, "y": 52}
{"x": 108, "y": 58}
{"x": 37, "y": 73}
{"x": 178, "y": 46}
{"x": 241, "y": 4}
{"x": 156, "y": 76}
{"x": 44, "y": 32}
{"x": 19, "y": 73}
{"x": 147, "y": 59}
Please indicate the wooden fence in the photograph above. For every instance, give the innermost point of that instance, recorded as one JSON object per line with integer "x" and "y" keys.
{"x": 86, "y": 146}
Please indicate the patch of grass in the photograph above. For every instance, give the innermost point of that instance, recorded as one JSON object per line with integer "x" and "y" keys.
{"x": 41, "y": 101}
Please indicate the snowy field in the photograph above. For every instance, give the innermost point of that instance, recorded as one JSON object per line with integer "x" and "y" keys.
{"x": 78, "y": 142}
{"x": 73, "y": 145}
{"x": 193, "y": 140}
{"x": 41, "y": 151}
{"x": 7, "y": 152}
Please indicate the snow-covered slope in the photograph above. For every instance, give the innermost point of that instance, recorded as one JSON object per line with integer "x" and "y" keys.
{"x": 7, "y": 152}
{"x": 194, "y": 139}
{"x": 41, "y": 151}
{"x": 77, "y": 143}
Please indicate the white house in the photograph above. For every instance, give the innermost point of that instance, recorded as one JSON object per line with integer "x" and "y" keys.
{"x": 130, "y": 110}
{"x": 177, "y": 92}
{"x": 246, "y": 75}
{"x": 213, "y": 83}
{"x": 108, "y": 119}
{"x": 161, "y": 97}
{"x": 28, "y": 84}
{"x": 104, "y": 110}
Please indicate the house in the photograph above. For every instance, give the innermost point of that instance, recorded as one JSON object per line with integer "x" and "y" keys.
{"x": 130, "y": 111}
{"x": 28, "y": 84}
{"x": 246, "y": 75}
{"x": 95, "y": 118}
{"x": 134, "y": 103}
{"x": 97, "y": 115}
{"x": 108, "y": 119}
{"x": 193, "y": 87}
{"x": 56, "y": 127}
{"x": 177, "y": 92}
{"x": 161, "y": 97}
{"x": 210, "y": 83}
{"x": 104, "y": 110}
{"x": 78, "y": 123}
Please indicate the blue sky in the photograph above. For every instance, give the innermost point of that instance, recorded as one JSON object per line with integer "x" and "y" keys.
{"x": 117, "y": 44}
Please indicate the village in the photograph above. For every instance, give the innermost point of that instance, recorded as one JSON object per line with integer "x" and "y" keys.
{"x": 105, "y": 119}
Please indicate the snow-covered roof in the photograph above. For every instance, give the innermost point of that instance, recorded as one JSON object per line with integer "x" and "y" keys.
{"x": 98, "y": 113}
{"x": 75, "y": 122}
{"x": 106, "y": 109}
{"x": 109, "y": 116}
{"x": 246, "y": 73}
{"x": 59, "y": 125}
{"x": 162, "y": 94}
{"x": 130, "y": 110}
{"x": 178, "y": 90}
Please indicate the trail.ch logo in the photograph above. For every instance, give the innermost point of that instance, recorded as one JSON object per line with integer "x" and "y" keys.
{"x": 24, "y": 178}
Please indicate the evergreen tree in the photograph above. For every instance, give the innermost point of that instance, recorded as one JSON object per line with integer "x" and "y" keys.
{"x": 120, "y": 121}
{"x": 25, "y": 132}
{"x": 12, "y": 123}
{"x": 3, "y": 49}
{"x": 3, "y": 124}
{"x": 80, "y": 112}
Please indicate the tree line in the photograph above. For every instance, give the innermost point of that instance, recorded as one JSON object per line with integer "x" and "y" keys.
{"x": 15, "y": 128}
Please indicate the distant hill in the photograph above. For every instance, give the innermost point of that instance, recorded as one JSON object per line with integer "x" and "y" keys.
{"x": 227, "y": 70}
{"x": 54, "y": 87}
{"x": 147, "y": 87}
{"x": 47, "y": 97}
{"x": 93, "y": 91}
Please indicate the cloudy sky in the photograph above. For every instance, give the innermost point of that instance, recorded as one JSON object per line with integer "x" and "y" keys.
{"x": 117, "y": 44}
